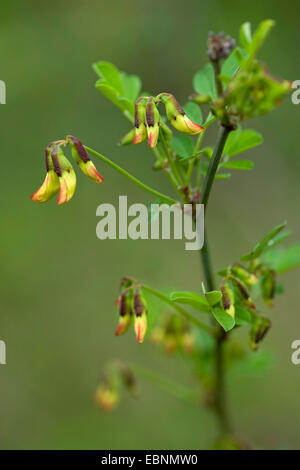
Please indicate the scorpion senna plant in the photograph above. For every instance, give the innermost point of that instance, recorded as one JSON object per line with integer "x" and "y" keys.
{"x": 232, "y": 87}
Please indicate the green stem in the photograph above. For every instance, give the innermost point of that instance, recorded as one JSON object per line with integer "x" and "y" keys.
{"x": 176, "y": 389}
{"x": 220, "y": 398}
{"x": 213, "y": 164}
{"x": 134, "y": 180}
{"x": 179, "y": 309}
{"x": 217, "y": 70}
{"x": 171, "y": 161}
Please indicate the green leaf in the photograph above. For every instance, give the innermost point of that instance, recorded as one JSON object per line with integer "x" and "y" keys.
{"x": 239, "y": 165}
{"x": 132, "y": 86}
{"x": 183, "y": 145}
{"x": 213, "y": 297}
{"x": 260, "y": 35}
{"x": 283, "y": 259}
{"x": 223, "y": 318}
{"x": 239, "y": 141}
{"x": 204, "y": 82}
{"x": 223, "y": 176}
{"x": 189, "y": 298}
{"x": 193, "y": 111}
{"x": 112, "y": 94}
{"x": 121, "y": 89}
{"x": 263, "y": 244}
{"x": 231, "y": 64}
{"x": 245, "y": 36}
{"x": 242, "y": 316}
{"x": 110, "y": 74}
{"x": 278, "y": 238}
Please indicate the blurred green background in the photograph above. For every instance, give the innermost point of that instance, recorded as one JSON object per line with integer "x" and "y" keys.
{"x": 59, "y": 282}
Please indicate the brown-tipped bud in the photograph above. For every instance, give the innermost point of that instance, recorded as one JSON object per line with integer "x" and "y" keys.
{"x": 128, "y": 138}
{"x": 140, "y": 312}
{"x": 50, "y": 186}
{"x": 250, "y": 279}
{"x": 259, "y": 329}
{"x": 65, "y": 173}
{"x": 178, "y": 117}
{"x": 219, "y": 46}
{"x": 125, "y": 317}
{"x": 228, "y": 299}
{"x": 82, "y": 158}
{"x": 139, "y": 122}
{"x": 153, "y": 122}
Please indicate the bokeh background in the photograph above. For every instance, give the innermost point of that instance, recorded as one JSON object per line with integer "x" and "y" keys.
{"x": 59, "y": 282}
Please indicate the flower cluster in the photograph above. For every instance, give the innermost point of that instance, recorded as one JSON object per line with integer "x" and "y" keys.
{"x": 174, "y": 334}
{"x": 132, "y": 305}
{"x": 147, "y": 120}
{"x": 61, "y": 177}
{"x": 116, "y": 376}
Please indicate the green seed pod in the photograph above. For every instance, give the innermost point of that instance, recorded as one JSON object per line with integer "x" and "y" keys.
{"x": 259, "y": 329}
{"x": 242, "y": 289}
{"x": 268, "y": 286}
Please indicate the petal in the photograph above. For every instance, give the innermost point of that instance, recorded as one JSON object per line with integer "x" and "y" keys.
{"x": 67, "y": 186}
{"x": 48, "y": 189}
{"x": 90, "y": 170}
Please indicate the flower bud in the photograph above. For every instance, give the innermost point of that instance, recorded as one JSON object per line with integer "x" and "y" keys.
{"x": 178, "y": 117}
{"x": 219, "y": 46}
{"x": 128, "y": 138}
{"x": 139, "y": 122}
{"x": 125, "y": 313}
{"x": 244, "y": 275}
{"x": 228, "y": 299}
{"x": 81, "y": 157}
{"x": 50, "y": 185}
{"x": 259, "y": 329}
{"x": 140, "y": 312}
{"x": 106, "y": 397}
{"x": 153, "y": 122}
{"x": 65, "y": 173}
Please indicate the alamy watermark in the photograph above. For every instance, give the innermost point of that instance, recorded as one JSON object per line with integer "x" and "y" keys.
{"x": 2, "y": 352}
{"x": 138, "y": 222}
{"x": 295, "y": 357}
{"x": 295, "y": 97}
{"x": 2, "y": 92}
